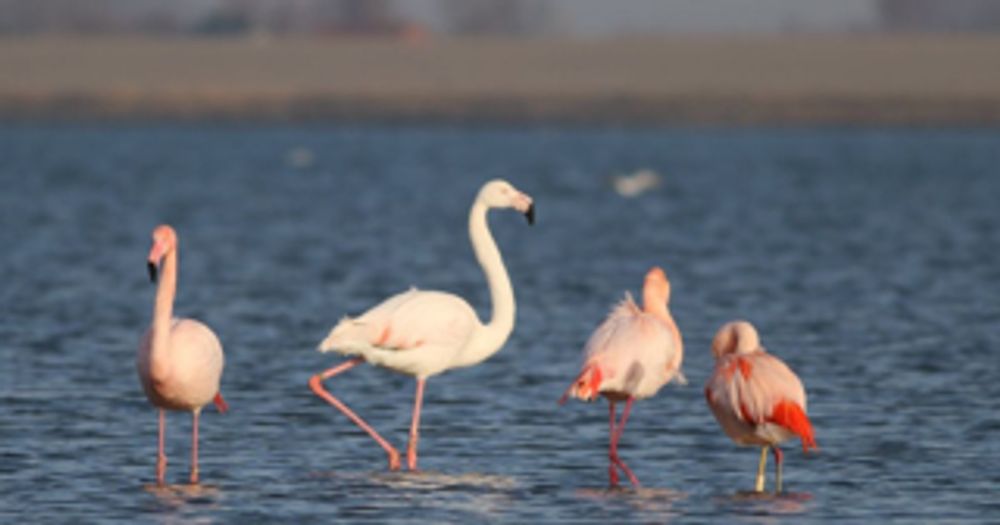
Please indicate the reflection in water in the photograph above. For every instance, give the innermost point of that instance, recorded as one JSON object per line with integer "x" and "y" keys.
{"x": 426, "y": 480}
{"x": 655, "y": 504}
{"x": 478, "y": 495}
{"x": 765, "y": 505}
{"x": 185, "y": 503}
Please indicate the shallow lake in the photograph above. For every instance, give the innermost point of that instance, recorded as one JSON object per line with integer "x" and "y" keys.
{"x": 867, "y": 258}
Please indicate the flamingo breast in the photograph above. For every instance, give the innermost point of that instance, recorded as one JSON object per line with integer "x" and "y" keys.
{"x": 193, "y": 367}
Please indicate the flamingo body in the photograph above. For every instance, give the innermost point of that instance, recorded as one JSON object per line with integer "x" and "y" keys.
{"x": 633, "y": 351}
{"x": 631, "y": 355}
{"x": 418, "y": 333}
{"x": 189, "y": 380}
{"x": 756, "y": 398}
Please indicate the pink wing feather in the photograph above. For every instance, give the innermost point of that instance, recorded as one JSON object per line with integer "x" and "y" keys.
{"x": 759, "y": 388}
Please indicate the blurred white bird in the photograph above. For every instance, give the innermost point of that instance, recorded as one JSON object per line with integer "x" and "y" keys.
{"x": 635, "y": 184}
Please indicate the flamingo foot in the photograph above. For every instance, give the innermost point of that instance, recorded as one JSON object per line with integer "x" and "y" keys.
{"x": 394, "y": 463}
{"x": 613, "y": 479}
{"x": 194, "y": 476}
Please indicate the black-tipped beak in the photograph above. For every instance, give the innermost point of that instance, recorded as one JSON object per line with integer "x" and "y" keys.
{"x": 530, "y": 214}
{"x": 152, "y": 271}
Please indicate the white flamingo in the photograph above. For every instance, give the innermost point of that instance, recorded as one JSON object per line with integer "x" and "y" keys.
{"x": 424, "y": 333}
{"x": 180, "y": 360}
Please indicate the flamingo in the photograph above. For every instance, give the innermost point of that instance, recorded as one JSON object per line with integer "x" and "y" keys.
{"x": 755, "y": 397}
{"x": 424, "y": 333}
{"x": 180, "y": 360}
{"x": 631, "y": 356}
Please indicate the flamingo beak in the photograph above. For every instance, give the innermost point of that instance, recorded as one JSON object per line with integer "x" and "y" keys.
{"x": 530, "y": 214}
{"x": 156, "y": 254}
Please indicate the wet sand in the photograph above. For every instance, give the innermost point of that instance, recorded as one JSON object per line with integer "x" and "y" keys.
{"x": 906, "y": 79}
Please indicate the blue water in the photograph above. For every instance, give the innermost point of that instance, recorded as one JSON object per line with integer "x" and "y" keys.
{"x": 866, "y": 258}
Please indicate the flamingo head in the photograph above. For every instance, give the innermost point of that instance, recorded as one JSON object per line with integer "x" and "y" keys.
{"x": 499, "y": 193}
{"x": 164, "y": 242}
{"x": 736, "y": 337}
{"x": 655, "y": 289}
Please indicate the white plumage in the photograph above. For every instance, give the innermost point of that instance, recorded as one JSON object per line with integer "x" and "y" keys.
{"x": 420, "y": 333}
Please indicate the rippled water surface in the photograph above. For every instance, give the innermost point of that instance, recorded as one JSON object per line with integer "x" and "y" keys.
{"x": 867, "y": 259}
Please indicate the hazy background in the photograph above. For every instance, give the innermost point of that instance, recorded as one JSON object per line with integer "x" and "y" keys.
{"x": 520, "y": 17}
{"x": 898, "y": 62}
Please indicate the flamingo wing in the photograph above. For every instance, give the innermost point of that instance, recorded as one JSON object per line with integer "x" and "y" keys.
{"x": 407, "y": 320}
{"x": 629, "y": 350}
{"x": 759, "y": 388}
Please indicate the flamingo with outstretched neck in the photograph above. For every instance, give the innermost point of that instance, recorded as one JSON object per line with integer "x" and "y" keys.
{"x": 424, "y": 333}
{"x": 630, "y": 356}
{"x": 180, "y": 360}
{"x": 756, "y": 398}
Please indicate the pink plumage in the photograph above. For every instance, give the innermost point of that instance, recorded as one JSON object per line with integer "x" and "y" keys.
{"x": 630, "y": 356}
{"x": 756, "y": 398}
{"x": 180, "y": 360}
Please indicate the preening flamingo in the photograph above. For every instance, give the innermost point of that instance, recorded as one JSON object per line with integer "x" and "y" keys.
{"x": 757, "y": 399}
{"x": 631, "y": 356}
{"x": 424, "y": 333}
{"x": 180, "y": 360}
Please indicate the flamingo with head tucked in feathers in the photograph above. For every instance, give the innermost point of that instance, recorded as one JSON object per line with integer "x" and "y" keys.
{"x": 180, "y": 360}
{"x": 756, "y": 398}
{"x": 630, "y": 356}
{"x": 423, "y": 333}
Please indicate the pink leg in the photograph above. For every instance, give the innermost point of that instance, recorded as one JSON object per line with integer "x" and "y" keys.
{"x": 612, "y": 454}
{"x": 614, "y": 444}
{"x": 316, "y": 384}
{"x": 194, "y": 446}
{"x": 411, "y": 448}
{"x": 161, "y": 456}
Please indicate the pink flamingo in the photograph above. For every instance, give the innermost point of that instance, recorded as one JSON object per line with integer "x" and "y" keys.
{"x": 424, "y": 333}
{"x": 755, "y": 397}
{"x": 631, "y": 356}
{"x": 180, "y": 360}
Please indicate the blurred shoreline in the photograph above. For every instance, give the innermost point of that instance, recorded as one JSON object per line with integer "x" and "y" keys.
{"x": 798, "y": 79}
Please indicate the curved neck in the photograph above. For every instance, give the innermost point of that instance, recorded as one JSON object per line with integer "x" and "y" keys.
{"x": 163, "y": 308}
{"x": 494, "y": 333}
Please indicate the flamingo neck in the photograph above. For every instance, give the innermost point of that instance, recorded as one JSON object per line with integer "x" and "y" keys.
{"x": 659, "y": 309}
{"x": 493, "y": 334}
{"x": 163, "y": 307}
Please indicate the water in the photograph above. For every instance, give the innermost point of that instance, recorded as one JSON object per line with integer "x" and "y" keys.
{"x": 867, "y": 259}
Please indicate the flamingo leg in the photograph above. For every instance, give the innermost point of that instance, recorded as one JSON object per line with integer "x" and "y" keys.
{"x": 194, "y": 446}
{"x": 161, "y": 456}
{"x": 617, "y": 436}
{"x": 316, "y": 384}
{"x": 411, "y": 448}
{"x": 759, "y": 485}
{"x": 612, "y": 453}
{"x": 779, "y": 459}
